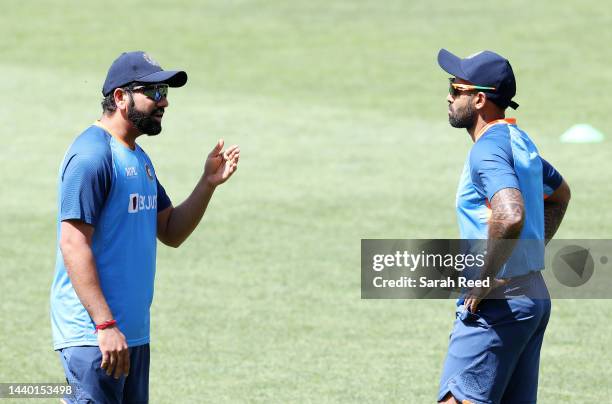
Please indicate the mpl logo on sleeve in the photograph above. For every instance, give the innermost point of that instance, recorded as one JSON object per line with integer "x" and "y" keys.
{"x": 142, "y": 202}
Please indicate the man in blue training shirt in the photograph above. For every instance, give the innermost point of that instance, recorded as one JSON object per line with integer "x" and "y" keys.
{"x": 111, "y": 211}
{"x": 516, "y": 200}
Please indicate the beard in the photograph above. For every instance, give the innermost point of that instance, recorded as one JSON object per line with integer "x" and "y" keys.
{"x": 463, "y": 118}
{"x": 144, "y": 122}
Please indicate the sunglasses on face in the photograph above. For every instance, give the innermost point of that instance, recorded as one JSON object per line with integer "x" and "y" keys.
{"x": 155, "y": 92}
{"x": 455, "y": 88}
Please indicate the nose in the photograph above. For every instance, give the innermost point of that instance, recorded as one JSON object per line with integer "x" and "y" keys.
{"x": 450, "y": 99}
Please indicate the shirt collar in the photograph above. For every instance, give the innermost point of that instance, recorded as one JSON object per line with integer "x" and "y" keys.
{"x": 507, "y": 121}
{"x": 101, "y": 126}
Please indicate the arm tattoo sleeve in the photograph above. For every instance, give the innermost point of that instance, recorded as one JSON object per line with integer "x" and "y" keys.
{"x": 553, "y": 215}
{"x": 505, "y": 225}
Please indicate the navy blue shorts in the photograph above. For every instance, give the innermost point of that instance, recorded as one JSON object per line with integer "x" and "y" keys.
{"x": 90, "y": 383}
{"x": 494, "y": 354}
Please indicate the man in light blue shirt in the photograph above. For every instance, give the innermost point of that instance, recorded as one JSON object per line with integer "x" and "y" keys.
{"x": 510, "y": 196}
{"x": 111, "y": 211}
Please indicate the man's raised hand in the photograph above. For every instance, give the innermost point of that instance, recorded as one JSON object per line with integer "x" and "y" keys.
{"x": 220, "y": 165}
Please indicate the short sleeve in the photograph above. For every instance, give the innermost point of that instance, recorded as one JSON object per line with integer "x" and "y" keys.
{"x": 163, "y": 200}
{"x": 492, "y": 166}
{"x": 551, "y": 178}
{"x": 85, "y": 184}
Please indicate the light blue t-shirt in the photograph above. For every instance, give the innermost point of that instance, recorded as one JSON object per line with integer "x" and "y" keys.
{"x": 104, "y": 183}
{"x": 505, "y": 157}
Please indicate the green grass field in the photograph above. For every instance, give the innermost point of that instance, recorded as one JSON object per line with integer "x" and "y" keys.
{"x": 339, "y": 108}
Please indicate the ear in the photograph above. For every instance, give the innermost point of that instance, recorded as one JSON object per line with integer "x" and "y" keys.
{"x": 480, "y": 100}
{"x": 122, "y": 98}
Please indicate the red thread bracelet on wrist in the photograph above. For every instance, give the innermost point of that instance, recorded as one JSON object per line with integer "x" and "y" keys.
{"x": 105, "y": 325}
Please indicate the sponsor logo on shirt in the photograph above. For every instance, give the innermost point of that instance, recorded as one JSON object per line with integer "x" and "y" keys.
{"x": 131, "y": 172}
{"x": 142, "y": 202}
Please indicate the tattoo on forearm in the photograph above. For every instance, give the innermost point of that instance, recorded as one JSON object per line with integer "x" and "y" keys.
{"x": 505, "y": 227}
{"x": 553, "y": 215}
{"x": 507, "y": 214}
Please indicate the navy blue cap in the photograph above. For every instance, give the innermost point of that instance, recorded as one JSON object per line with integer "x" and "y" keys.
{"x": 486, "y": 69}
{"x": 139, "y": 66}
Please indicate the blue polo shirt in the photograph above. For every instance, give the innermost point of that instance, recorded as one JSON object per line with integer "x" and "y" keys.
{"x": 104, "y": 183}
{"x": 505, "y": 157}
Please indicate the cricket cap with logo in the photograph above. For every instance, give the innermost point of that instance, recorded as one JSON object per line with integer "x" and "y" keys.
{"x": 138, "y": 66}
{"x": 487, "y": 69}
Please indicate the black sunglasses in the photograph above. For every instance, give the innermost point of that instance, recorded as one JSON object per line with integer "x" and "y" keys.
{"x": 155, "y": 92}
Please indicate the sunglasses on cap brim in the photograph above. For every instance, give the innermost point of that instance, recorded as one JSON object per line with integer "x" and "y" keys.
{"x": 455, "y": 88}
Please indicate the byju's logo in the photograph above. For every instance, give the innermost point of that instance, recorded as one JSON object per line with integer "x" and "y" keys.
{"x": 142, "y": 202}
